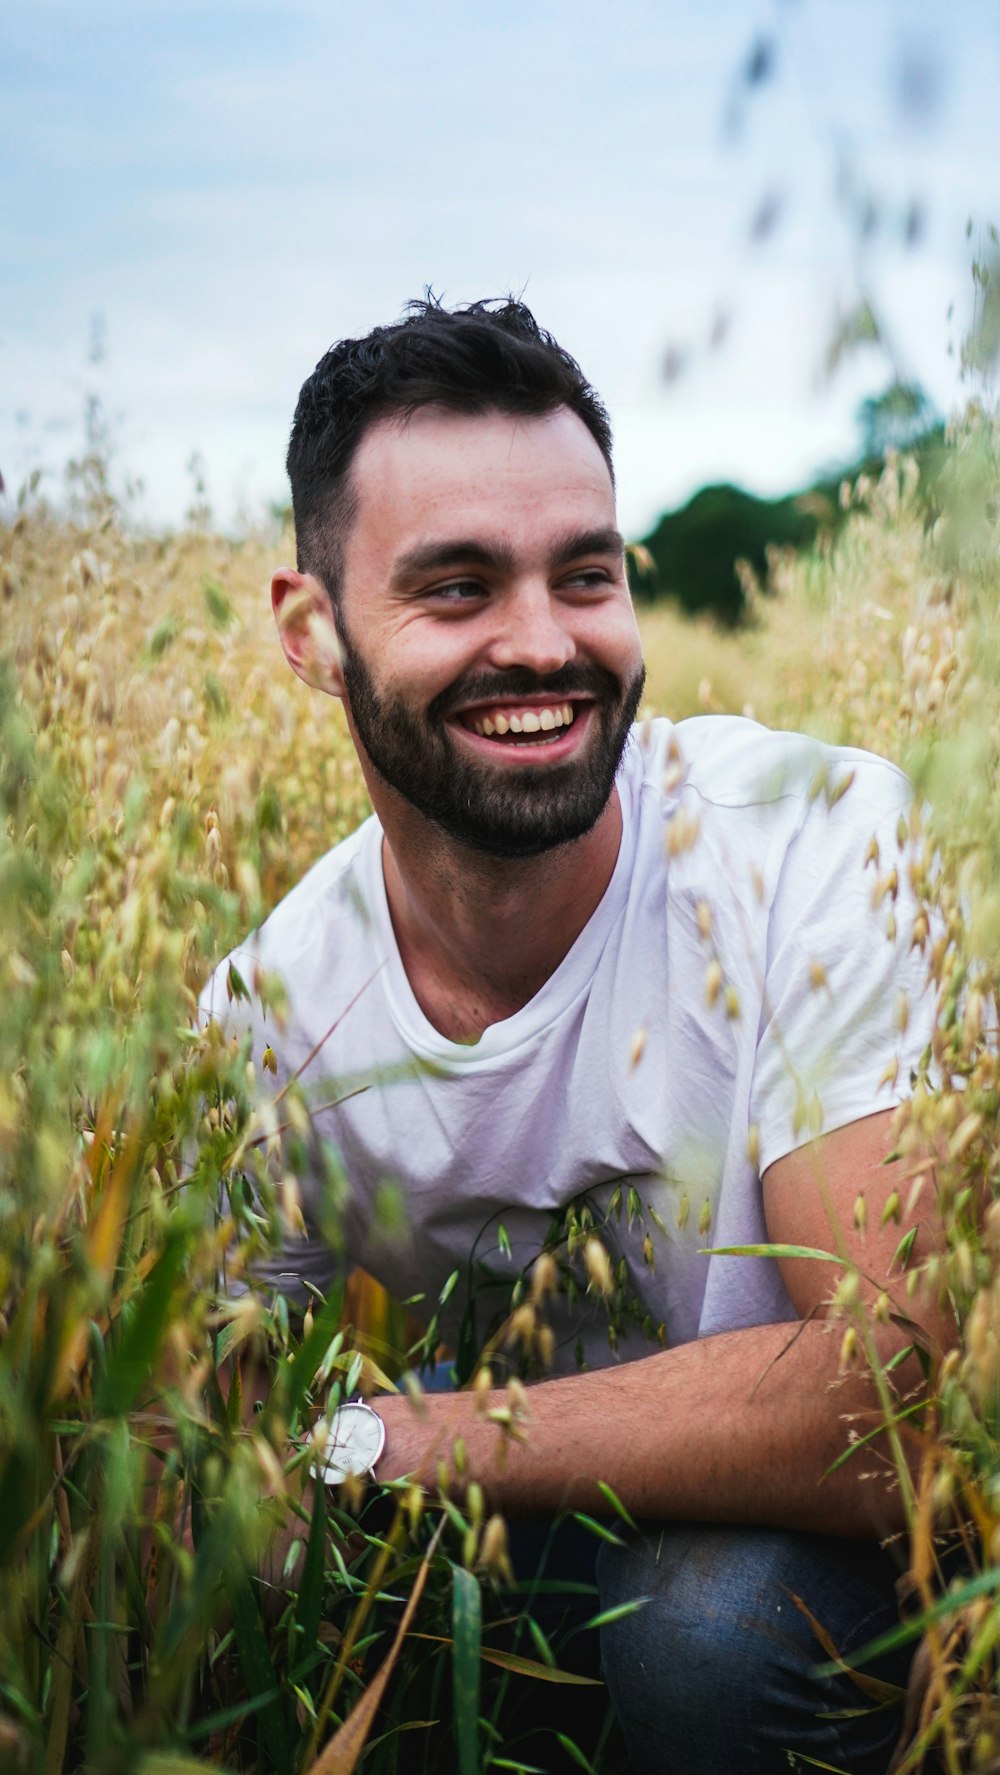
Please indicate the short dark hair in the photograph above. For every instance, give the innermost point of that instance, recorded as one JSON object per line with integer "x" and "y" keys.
{"x": 485, "y": 357}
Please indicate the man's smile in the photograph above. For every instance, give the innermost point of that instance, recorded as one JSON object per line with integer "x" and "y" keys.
{"x": 553, "y": 727}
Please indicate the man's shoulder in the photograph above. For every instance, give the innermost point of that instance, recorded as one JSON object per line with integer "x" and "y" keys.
{"x": 318, "y": 927}
{"x": 733, "y": 762}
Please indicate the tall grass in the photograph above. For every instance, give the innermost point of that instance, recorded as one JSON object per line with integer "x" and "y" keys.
{"x": 162, "y": 784}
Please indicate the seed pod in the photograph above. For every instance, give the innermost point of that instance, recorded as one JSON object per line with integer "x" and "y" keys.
{"x": 817, "y": 975}
{"x": 705, "y": 1219}
{"x": 732, "y": 1003}
{"x": 713, "y": 981}
{"x": 493, "y": 1551}
{"x": 517, "y": 1396}
{"x": 475, "y": 1503}
{"x": 598, "y": 1265}
{"x": 414, "y": 1505}
{"x": 893, "y": 1208}
{"x": 482, "y": 1387}
{"x": 753, "y": 1145}
{"x": 860, "y": 1213}
{"x": 544, "y": 1276}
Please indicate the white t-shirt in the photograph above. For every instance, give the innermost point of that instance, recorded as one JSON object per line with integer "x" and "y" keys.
{"x": 557, "y": 1102}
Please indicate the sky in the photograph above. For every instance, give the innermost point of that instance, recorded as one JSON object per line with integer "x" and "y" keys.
{"x": 690, "y": 196}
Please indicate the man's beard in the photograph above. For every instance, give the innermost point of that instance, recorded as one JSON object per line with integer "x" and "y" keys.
{"x": 501, "y": 810}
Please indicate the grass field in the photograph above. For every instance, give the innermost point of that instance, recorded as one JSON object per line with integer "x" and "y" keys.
{"x": 164, "y": 779}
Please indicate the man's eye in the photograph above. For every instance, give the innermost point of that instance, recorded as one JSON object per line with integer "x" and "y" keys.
{"x": 589, "y": 579}
{"x": 458, "y": 591}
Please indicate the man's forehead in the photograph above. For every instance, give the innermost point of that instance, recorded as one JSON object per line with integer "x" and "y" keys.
{"x": 411, "y": 449}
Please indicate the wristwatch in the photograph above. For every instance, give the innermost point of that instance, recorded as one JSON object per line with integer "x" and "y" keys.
{"x": 355, "y": 1438}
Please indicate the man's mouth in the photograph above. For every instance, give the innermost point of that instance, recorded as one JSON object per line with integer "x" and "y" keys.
{"x": 520, "y": 725}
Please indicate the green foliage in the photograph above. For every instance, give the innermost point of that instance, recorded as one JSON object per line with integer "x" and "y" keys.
{"x": 695, "y": 550}
{"x": 712, "y": 554}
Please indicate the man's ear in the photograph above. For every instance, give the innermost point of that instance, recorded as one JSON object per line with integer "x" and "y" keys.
{"x": 307, "y": 631}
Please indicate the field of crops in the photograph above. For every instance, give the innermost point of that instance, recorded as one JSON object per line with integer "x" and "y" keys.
{"x": 163, "y": 780}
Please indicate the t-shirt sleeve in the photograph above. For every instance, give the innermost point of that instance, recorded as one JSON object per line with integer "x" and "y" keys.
{"x": 847, "y": 1006}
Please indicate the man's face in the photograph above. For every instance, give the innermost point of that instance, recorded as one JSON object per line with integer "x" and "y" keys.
{"x": 490, "y": 655}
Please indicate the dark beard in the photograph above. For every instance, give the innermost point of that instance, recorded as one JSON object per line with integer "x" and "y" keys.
{"x": 505, "y": 812}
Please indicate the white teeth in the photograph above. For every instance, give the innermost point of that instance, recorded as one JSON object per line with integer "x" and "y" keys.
{"x": 529, "y": 721}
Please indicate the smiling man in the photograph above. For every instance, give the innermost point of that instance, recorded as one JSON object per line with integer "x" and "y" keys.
{"x": 574, "y": 966}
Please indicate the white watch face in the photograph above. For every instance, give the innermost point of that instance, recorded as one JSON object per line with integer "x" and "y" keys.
{"x": 355, "y": 1439}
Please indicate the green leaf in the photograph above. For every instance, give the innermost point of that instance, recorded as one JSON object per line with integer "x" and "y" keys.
{"x": 903, "y": 1249}
{"x": 616, "y": 1504}
{"x": 617, "y": 1613}
{"x": 448, "y": 1289}
{"x": 984, "y": 1584}
{"x": 299, "y": 1372}
{"x": 276, "y": 1725}
{"x": 574, "y": 1752}
{"x": 598, "y": 1528}
{"x": 466, "y": 1626}
{"x": 216, "y": 603}
{"x": 542, "y": 1646}
{"x": 236, "y": 986}
{"x": 309, "y": 1603}
{"x": 514, "y": 1662}
{"x": 772, "y": 1251}
{"x": 163, "y": 636}
{"x": 131, "y": 1361}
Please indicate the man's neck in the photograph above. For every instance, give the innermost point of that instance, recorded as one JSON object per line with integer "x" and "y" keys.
{"x": 479, "y": 936}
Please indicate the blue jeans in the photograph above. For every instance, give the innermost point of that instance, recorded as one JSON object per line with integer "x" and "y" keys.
{"x": 714, "y": 1675}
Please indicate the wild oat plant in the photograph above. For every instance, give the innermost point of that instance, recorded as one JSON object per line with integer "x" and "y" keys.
{"x": 161, "y": 786}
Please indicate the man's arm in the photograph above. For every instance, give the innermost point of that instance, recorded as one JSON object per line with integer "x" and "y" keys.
{"x": 739, "y": 1427}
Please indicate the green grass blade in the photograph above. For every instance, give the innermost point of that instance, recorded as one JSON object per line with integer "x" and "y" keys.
{"x": 309, "y": 1606}
{"x": 575, "y": 1754}
{"x": 467, "y": 1627}
{"x": 521, "y": 1666}
{"x": 772, "y": 1251}
{"x": 616, "y": 1504}
{"x": 985, "y": 1584}
{"x": 277, "y": 1729}
{"x": 131, "y": 1361}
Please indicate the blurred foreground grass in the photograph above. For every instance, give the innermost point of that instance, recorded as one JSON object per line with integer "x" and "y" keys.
{"x": 164, "y": 780}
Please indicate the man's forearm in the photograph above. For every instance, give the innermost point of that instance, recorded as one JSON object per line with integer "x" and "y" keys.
{"x": 741, "y": 1427}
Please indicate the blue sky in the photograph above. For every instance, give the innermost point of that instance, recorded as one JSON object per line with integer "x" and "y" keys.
{"x": 231, "y": 186}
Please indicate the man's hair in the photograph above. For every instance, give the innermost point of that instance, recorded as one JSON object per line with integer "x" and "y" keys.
{"x": 484, "y": 357}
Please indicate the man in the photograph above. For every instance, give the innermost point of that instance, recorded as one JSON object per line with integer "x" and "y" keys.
{"x": 638, "y": 971}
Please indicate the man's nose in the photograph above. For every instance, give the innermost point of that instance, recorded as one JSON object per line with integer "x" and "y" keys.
{"x": 533, "y": 631}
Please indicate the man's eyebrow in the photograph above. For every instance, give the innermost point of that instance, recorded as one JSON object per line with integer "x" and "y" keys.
{"x": 605, "y": 541}
{"x": 438, "y": 557}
